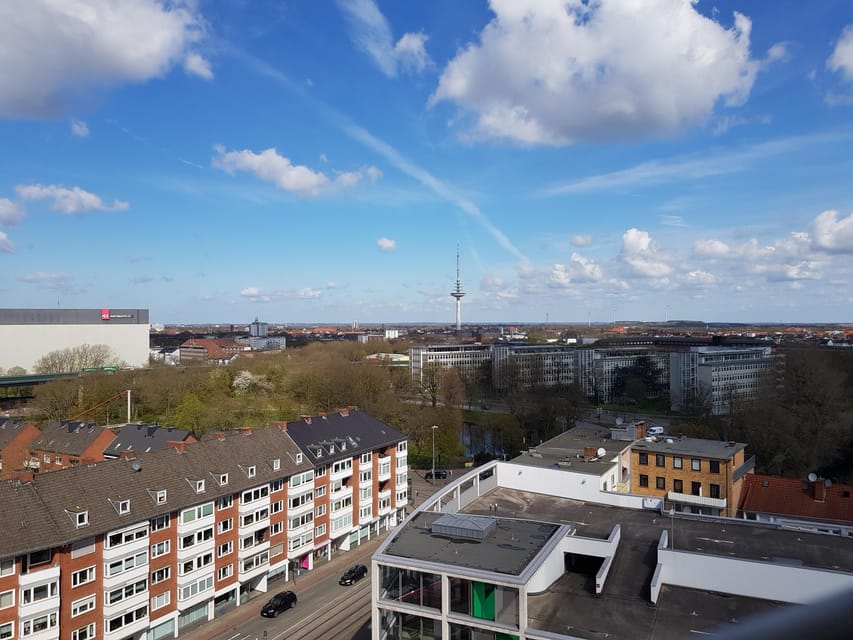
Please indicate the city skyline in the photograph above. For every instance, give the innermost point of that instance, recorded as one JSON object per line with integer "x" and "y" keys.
{"x": 319, "y": 162}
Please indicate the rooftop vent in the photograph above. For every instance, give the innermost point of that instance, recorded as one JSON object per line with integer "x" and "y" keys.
{"x": 463, "y": 526}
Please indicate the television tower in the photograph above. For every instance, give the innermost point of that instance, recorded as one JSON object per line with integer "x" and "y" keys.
{"x": 458, "y": 294}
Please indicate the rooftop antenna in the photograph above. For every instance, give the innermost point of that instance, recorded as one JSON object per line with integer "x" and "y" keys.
{"x": 458, "y": 294}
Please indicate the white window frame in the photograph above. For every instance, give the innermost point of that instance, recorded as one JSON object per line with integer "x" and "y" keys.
{"x": 160, "y": 548}
{"x": 84, "y": 576}
{"x": 85, "y": 633}
{"x": 161, "y": 600}
{"x": 10, "y": 592}
{"x": 83, "y": 605}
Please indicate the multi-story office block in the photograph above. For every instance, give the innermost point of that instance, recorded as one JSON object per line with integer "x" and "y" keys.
{"x": 532, "y": 365}
{"x": 144, "y": 546}
{"x": 612, "y": 364}
{"x": 469, "y": 359}
{"x": 712, "y": 378}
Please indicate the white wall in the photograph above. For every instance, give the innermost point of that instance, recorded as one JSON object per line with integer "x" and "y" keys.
{"x": 23, "y": 345}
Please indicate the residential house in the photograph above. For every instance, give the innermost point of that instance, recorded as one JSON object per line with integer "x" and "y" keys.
{"x": 210, "y": 351}
{"x": 68, "y": 443}
{"x": 142, "y": 438}
{"x": 15, "y": 438}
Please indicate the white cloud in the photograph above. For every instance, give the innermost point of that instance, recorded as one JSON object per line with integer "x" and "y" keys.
{"x": 79, "y": 129}
{"x": 250, "y": 292}
{"x": 711, "y": 248}
{"x": 672, "y": 221}
{"x": 699, "y": 278}
{"x": 370, "y": 32}
{"x": 269, "y": 165}
{"x": 196, "y": 65}
{"x": 642, "y": 254}
{"x": 496, "y": 288}
{"x": 65, "y": 200}
{"x": 579, "y": 270}
{"x": 552, "y": 72}
{"x": 48, "y": 280}
{"x": 54, "y": 51}
{"x": 386, "y": 244}
{"x": 581, "y": 240}
{"x": 307, "y": 293}
{"x": 6, "y": 245}
{"x": 10, "y": 212}
{"x": 841, "y": 59}
{"x": 831, "y": 234}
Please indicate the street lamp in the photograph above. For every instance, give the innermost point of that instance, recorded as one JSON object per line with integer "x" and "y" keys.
{"x": 434, "y": 427}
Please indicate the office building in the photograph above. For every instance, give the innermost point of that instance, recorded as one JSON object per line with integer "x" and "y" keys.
{"x": 529, "y": 366}
{"x": 469, "y": 359}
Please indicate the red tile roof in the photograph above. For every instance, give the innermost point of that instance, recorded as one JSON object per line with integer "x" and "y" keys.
{"x": 787, "y": 496}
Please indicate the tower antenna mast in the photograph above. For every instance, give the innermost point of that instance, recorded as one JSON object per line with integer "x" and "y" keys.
{"x": 458, "y": 294}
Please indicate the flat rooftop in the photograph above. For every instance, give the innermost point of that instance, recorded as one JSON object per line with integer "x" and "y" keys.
{"x": 720, "y": 450}
{"x": 567, "y": 450}
{"x": 624, "y": 610}
{"x": 507, "y": 548}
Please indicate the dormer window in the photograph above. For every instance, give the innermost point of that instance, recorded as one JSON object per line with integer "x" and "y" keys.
{"x": 222, "y": 479}
{"x": 121, "y": 505}
{"x": 275, "y": 463}
{"x": 197, "y": 485}
{"x": 158, "y": 495}
{"x": 250, "y": 470}
{"x": 79, "y": 516}
{"x": 299, "y": 458}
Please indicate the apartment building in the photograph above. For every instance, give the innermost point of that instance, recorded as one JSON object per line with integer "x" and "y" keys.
{"x": 694, "y": 475}
{"x": 469, "y": 359}
{"x": 532, "y": 365}
{"x": 714, "y": 377}
{"x": 68, "y": 443}
{"x": 15, "y": 438}
{"x": 145, "y": 545}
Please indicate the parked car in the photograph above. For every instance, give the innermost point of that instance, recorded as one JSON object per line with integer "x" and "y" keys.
{"x": 439, "y": 474}
{"x": 656, "y": 431}
{"x": 353, "y": 574}
{"x": 278, "y": 603}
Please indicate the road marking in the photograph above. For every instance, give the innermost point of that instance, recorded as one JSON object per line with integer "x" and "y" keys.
{"x": 717, "y": 541}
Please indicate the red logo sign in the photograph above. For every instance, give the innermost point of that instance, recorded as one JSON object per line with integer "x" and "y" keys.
{"x": 105, "y": 314}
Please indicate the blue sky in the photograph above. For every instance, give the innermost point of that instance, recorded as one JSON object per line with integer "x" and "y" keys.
{"x": 318, "y": 162}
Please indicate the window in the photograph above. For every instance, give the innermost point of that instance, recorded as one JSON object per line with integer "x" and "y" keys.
{"x": 715, "y": 490}
{"x": 158, "y": 495}
{"x": 714, "y": 466}
{"x": 222, "y": 479}
{"x": 195, "y": 513}
{"x": 58, "y": 459}
{"x": 195, "y": 588}
{"x": 224, "y": 549}
{"x": 160, "y": 575}
{"x": 644, "y": 480}
{"x": 277, "y": 485}
{"x": 643, "y": 458}
{"x": 320, "y": 510}
{"x": 47, "y": 458}
{"x": 225, "y": 525}
{"x": 278, "y": 506}
{"x": 678, "y": 486}
{"x": 160, "y": 549}
{"x": 321, "y": 530}
{"x": 196, "y": 563}
{"x": 196, "y": 538}
{"x": 249, "y": 470}
{"x": 275, "y": 463}
{"x": 366, "y": 458}
{"x": 695, "y": 464}
{"x": 301, "y": 478}
{"x": 83, "y": 576}
{"x": 130, "y": 617}
{"x": 320, "y": 491}
{"x": 127, "y": 591}
{"x": 7, "y": 567}
{"x": 696, "y": 488}
{"x": 276, "y": 528}
{"x": 84, "y": 633}
{"x": 224, "y": 502}
{"x": 160, "y": 522}
{"x": 198, "y": 486}
{"x": 79, "y": 607}
{"x": 255, "y": 494}
{"x": 677, "y": 462}
{"x": 39, "y": 624}
{"x": 39, "y": 557}
{"x": 41, "y": 592}
{"x": 660, "y": 482}
{"x": 126, "y": 564}
{"x": 660, "y": 460}
{"x": 401, "y": 446}
{"x": 7, "y": 630}
{"x": 121, "y": 506}
{"x": 298, "y": 458}
{"x": 125, "y": 537}
{"x": 7, "y": 599}
{"x": 321, "y": 471}
{"x": 225, "y": 572}
{"x": 161, "y": 600}
{"x": 81, "y": 518}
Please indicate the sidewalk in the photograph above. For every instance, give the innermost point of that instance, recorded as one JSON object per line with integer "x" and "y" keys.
{"x": 236, "y": 617}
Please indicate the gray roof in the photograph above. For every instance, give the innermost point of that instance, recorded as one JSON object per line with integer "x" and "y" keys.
{"x": 9, "y": 429}
{"x": 714, "y": 449}
{"x": 142, "y": 438}
{"x": 569, "y": 446}
{"x": 35, "y": 515}
{"x": 70, "y": 437}
{"x": 345, "y": 434}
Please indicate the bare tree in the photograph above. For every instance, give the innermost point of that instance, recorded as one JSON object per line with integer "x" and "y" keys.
{"x": 74, "y": 359}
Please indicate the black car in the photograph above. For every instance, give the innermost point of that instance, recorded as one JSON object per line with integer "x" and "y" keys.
{"x": 438, "y": 474}
{"x": 278, "y": 603}
{"x": 353, "y": 574}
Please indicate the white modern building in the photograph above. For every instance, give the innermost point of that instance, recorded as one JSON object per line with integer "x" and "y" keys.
{"x": 469, "y": 359}
{"x": 29, "y": 334}
{"x": 533, "y": 365}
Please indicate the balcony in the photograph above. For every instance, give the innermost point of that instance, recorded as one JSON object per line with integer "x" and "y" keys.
{"x": 343, "y": 474}
{"x": 698, "y": 501}
{"x": 384, "y": 472}
{"x": 343, "y": 492}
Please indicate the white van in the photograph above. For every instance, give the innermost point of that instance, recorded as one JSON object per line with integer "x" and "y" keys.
{"x": 656, "y": 431}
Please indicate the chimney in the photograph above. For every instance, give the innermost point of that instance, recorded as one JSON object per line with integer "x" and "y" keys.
{"x": 23, "y": 476}
{"x": 345, "y": 412}
{"x": 178, "y": 446}
{"x": 819, "y": 490}
{"x": 281, "y": 424}
{"x": 589, "y": 452}
{"x": 640, "y": 428}
{"x": 87, "y": 460}
{"x": 127, "y": 455}
{"x": 246, "y": 431}
{"x": 218, "y": 435}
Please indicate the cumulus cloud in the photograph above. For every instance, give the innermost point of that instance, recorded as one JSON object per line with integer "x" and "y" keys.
{"x": 386, "y": 244}
{"x": 48, "y": 280}
{"x": 6, "y": 245}
{"x": 79, "y": 129}
{"x": 841, "y": 60}
{"x": 307, "y": 293}
{"x": 556, "y": 72}
{"x": 578, "y": 270}
{"x": 65, "y": 200}
{"x": 10, "y": 212}
{"x": 371, "y": 33}
{"x": 55, "y": 51}
{"x": 711, "y": 248}
{"x": 196, "y": 65}
{"x": 699, "y": 278}
{"x": 270, "y": 166}
{"x": 581, "y": 240}
{"x": 642, "y": 254}
{"x": 828, "y": 233}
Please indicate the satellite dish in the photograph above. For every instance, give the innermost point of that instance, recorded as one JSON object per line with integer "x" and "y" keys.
{"x": 827, "y": 483}
{"x": 136, "y": 465}
{"x": 619, "y": 421}
{"x": 601, "y": 451}
{"x": 812, "y": 477}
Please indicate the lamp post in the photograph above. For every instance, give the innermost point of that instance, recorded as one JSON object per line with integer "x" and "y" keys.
{"x": 434, "y": 427}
